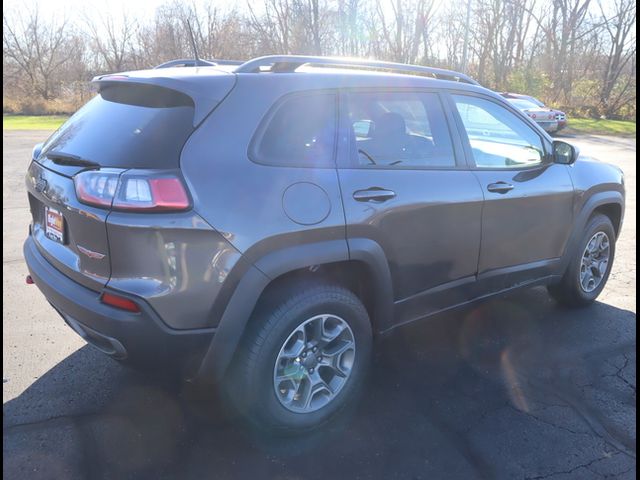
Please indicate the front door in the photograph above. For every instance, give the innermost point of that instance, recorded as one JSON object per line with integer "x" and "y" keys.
{"x": 527, "y": 215}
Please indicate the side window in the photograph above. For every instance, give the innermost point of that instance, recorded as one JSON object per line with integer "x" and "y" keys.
{"x": 402, "y": 129}
{"x": 498, "y": 138}
{"x": 300, "y": 132}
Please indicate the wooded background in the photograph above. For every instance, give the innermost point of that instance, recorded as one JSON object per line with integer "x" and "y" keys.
{"x": 578, "y": 55}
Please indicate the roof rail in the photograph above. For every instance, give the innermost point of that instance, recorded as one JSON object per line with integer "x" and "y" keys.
{"x": 289, "y": 63}
{"x": 190, "y": 62}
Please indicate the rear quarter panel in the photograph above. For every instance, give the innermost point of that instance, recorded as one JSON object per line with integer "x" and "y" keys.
{"x": 176, "y": 262}
{"x": 243, "y": 200}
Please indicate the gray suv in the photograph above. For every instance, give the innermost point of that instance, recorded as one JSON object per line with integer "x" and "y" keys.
{"x": 257, "y": 225}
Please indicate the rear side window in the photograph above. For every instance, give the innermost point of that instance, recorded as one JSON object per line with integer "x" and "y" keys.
{"x": 128, "y": 126}
{"x": 399, "y": 129}
{"x": 300, "y": 131}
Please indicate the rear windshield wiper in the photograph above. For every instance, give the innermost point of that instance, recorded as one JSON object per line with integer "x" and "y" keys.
{"x": 61, "y": 158}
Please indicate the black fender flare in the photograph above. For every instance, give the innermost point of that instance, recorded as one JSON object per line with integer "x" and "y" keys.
{"x": 596, "y": 200}
{"x": 371, "y": 254}
{"x": 233, "y": 322}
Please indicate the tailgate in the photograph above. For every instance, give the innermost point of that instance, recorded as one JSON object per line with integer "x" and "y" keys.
{"x": 74, "y": 239}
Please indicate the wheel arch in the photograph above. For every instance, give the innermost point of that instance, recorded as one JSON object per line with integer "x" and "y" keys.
{"x": 614, "y": 212}
{"x": 609, "y": 203}
{"x": 357, "y": 264}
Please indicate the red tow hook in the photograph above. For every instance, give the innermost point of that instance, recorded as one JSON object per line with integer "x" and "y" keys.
{"x": 29, "y": 280}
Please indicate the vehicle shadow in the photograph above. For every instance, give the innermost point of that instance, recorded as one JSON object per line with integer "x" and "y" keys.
{"x": 509, "y": 388}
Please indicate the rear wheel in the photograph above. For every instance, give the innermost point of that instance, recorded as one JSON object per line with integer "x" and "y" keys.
{"x": 589, "y": 269}
{"x": 303, "y": 358}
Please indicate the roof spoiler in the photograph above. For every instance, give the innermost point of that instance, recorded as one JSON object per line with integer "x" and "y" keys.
{"x": 202, "y": 101}
{"x": 289, "y": 64}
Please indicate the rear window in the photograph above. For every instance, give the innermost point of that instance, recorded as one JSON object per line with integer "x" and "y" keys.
{"x": 128, "y": 126}
{"x": 300, "y": 132}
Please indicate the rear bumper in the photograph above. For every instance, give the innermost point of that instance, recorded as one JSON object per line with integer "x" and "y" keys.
{"x": 140, "y": 338}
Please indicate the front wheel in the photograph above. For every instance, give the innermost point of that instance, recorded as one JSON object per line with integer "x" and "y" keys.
{"x": 303, "y": 358}
{"x": 589, "y": 269}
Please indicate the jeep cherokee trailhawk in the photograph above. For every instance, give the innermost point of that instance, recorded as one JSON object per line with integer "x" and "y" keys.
{"x": 258, "y": 224}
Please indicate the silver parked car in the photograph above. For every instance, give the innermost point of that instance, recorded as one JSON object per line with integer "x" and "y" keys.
{"x": 550, "y": 119}
{"x": 543, "y": 116}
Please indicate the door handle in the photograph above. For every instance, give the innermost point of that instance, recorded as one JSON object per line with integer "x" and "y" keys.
{"x": 499, "y": 187}
{"x": 373, "y": 194}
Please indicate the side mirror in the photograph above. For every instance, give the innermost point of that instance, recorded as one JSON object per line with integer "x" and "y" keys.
{"x": 35, "y": 153}
{"x": 564, "y": 153}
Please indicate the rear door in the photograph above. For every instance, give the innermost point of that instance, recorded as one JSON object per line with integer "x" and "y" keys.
{"x": 405, "y": 185}
{"x": 527, "y": 214}
{"x": 126, "y": 126}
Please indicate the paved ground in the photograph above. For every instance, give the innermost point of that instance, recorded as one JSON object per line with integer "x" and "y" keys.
{"x": 513, "y": 388}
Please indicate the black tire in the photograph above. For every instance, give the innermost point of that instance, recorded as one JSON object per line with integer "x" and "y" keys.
{"x": 250, "y": 383}
{"x": 568, "y": 291}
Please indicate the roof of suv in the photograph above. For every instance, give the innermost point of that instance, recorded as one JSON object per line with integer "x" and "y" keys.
{"x": 317, "y": 78}
{"x": 296, "y": 72}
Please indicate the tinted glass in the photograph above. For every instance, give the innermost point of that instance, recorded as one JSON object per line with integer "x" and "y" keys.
{"x": 128, "y": 127}
{"x": 399, "y": 129}
{"x": 498, "y": 138}
{"x": 300, "y": 132}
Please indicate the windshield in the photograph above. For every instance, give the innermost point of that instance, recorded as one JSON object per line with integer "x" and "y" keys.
{"x": 523, "y": 104}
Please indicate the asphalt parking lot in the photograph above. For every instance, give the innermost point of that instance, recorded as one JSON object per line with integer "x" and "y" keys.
{"x": 512, "y": 388}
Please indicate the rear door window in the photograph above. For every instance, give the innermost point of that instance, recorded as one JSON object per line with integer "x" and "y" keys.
{"x": 399, "y": 129}
{"x": 128, "y": 126}
{"x": 300, "y": 131}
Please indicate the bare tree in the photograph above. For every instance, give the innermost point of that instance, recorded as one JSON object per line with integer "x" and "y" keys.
{"x": 403, "y": 33}
{"x": 274, "y": 28}
{"x": 510, "y": 36}
{"x": 38, "y": 49}
{"x": 451, "y": 29}
{"x": 112, "y": 40}
{"x": 622, "y": 50}
{"x": 486, "y": 32}
{"x": 350, "y": 28}
{"x": 314, "y": 16}
{"x": 579, "y": 53}
{"x": 221, "y": 34}
{"x": 562, "y": 25}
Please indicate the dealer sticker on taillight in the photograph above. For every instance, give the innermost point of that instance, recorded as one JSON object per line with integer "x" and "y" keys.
{"x": 54, "y": 224}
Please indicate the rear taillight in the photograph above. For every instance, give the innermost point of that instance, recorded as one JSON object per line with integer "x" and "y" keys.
{"x": 157, "y": 194}
{"x": 96, "y": 187}
{"x": 132, "y": 190}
